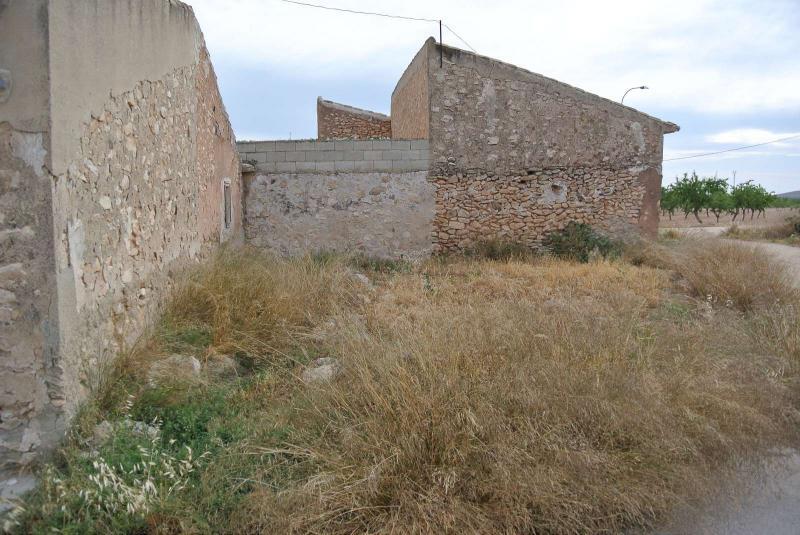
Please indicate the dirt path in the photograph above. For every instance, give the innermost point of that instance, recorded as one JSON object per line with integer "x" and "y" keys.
{"x": 783, "y": 253}
{"x": 786, "y": 254}
{"x": 768, "y": 503}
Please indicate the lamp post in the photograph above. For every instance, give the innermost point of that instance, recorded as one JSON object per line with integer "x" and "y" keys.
{"x": 631, "y": 89}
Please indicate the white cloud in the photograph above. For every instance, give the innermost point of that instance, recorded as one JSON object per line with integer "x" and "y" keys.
{"x": 751, "y": 136}
{"x": 720, "y": 56}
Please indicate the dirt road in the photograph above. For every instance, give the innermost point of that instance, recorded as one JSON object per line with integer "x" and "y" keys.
{"x": 787, "y": 254}
{"x": 767, "y": 503}
{"x": 782, "y": 253}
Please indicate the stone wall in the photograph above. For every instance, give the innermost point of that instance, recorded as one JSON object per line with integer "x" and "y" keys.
{"x": 338, "y": 121}
{"x": 370, "y": 196}
{"x": 311, "y": 156}
{"x": 525, "y": 208}
{"x": 516, "y": 155}
{"x": 411, "y": 100}
{"x": 380, "y": 214}
{"x": 30, "y": 404}
{"x": 121, "y": 190}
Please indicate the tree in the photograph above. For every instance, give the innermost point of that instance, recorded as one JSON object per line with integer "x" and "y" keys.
{"x": 748, "y": 196}
{"x": 692, "y": 195}
{"x": 668, "y": 202}
{"x": 720, "y": 202}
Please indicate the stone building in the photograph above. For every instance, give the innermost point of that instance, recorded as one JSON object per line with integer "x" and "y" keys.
{"x": 479, "y": 150}
{"x": 117, "y": 168}
{"x": 338, "y": 121}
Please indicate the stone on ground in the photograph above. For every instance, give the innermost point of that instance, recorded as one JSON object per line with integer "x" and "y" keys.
{"x": 321, "y": 369}
{"x": 223, "y": 367}
{"x": 175, "y": 368}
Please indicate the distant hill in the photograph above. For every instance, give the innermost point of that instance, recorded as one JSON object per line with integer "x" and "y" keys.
{"x": 790, "y": 195}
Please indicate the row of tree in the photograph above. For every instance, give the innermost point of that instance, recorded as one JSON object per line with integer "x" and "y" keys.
{"x": 693, "y": 195}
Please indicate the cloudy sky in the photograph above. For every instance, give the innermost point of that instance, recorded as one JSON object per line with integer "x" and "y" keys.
{"x": 727, "y": 71}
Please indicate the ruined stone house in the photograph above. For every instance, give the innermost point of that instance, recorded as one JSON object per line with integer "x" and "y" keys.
{"x": 474, "y": 149}
{"x": 118, "y": 169}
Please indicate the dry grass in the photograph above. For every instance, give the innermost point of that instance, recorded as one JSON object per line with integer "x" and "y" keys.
{"x": 670, "y": 234}
{"x": 515, "y": 397}
{"x": 778, "y": 327}
{"x": 785, "y": 233}
{"x": 536, "y": 396}
{"x": 733, "y": 274}
{"x": 259, "y": 304}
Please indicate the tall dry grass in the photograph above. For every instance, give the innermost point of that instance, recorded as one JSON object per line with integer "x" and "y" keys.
{"x": 476, "y": 396}
{"x": 733, "y": 273}
{"x": 783, "y": 231}
{"x": 257, "y": 303}
{"x": 544, "y": 397}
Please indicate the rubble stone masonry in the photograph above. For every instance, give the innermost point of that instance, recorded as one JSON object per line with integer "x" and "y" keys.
{"x": 338, "y": 121}
{"x": 410, "y": 100}
{"x": 515, "y": 155}
{"x": 141, "y": 201}
{"x": 526, "y": 208}
{"x": 30, "y": 402}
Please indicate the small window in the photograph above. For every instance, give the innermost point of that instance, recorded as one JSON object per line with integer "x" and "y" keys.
{"x": 226, "y": 190}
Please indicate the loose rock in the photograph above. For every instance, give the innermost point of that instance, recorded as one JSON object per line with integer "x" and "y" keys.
{"x": 223, "y": 367}
{"x": 363, "y": 279}
{"x": 174, "y": 368}
{"x": 322, "y": 369}
{"x": 141, "y": 428}
{"x": 102, "y": 432}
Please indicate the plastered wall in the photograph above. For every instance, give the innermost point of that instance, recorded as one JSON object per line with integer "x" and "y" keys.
{"x": 377, "y": 213}
{"x": 30, "y": 403}
{"x": 359, "y": 196}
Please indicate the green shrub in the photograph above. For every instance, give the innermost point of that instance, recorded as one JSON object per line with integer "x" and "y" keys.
{"x": 579, "y": 241}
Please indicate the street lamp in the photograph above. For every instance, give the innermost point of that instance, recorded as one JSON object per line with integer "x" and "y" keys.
{"x": 631, "y": 89}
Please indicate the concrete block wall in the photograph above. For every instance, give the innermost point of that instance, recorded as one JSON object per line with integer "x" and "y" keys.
{"x": 314, "y": 156}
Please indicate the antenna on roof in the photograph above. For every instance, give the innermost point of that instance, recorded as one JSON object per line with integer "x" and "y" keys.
{"x": 441, "y": 61}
